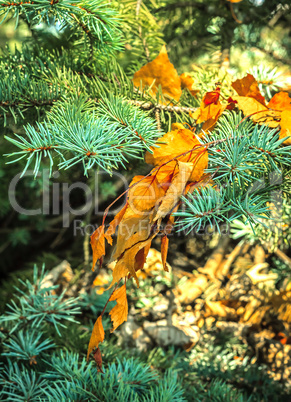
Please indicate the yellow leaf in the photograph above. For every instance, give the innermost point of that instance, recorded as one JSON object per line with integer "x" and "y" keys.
{"x": 133, "y": 228}
{"x": 160, "y": 72}
{"x": 98, "y": 245}
{"x": 114, "y": 223}
{"x": 177, "y": 143}
{"x": 175, "y": 190}
{"x": 187, "y": 82}
{"x": 97, "y": 336}
{"x": 248, "y": 86}
{"x": 145, "y": 194}
{"x": 285, "y": 124}
{"x": 126, "y": 263}
{"x": 120, "y": 311}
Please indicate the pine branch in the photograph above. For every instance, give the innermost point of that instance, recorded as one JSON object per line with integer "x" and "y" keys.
{"x": 152, "y": 106}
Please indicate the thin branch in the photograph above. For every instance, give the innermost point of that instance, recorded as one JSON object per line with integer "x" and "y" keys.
{"x": 149, "y": 106}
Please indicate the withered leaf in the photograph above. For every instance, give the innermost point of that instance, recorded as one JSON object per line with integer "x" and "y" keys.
{"x": 160, "y": 72}
{"x": 98, "y": 245}
{"x": 114, "y": 223}
{"x": 175, "y": 190}
{"x": 97, "y": 336}
{"x": 119, "y": 312}
{"x": 164, "y": 251}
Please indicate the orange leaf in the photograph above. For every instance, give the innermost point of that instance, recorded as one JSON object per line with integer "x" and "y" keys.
{"x": 133, "y": 228}
{"x": 141, "y": 256}
{"x": 164, "y": 251}
{"x": 126, "y": 263}
{"x": 97, "y": 336}
{"x": 248, "y": 86}
{"x": 160, "y": 72}
{"x": 175, "y": 190}
{"x": 120, "y": 311}
{"x": 178, "y": 142}
{"x": 209, "y": 111}
{"x": 212, "y": 97}
{"x": 285, "y": 124}
{"x": 235, "y": 1}
{"x": 98, "y": 245}
{"x": 187, "y": 83}
{"x": 114, "y": 223}
{"x": 145, "y": 193}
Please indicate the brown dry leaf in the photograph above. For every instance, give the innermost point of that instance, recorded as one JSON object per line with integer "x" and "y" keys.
{"x": 126, "y": 263}
{"x": 114, "y": 223}
{"x": 141, "y": 257}
{"x": 160, "y": 72}
{"x": 178, "y": 142}
{"x": 145, "y": 193}
{"x": 119, "y": 312}
{"x": 187, "y": 83}
{"x": 164, "y": 251}
{"x": 98, "y": 245}
{"x": 248, "y": 86}
{"x": 252, "y": 103}
{"x": 175, "y": 190}
{"x": 133, "y": 228}
{"x": 98, "y": 360}
{"x": 97, "y": 336}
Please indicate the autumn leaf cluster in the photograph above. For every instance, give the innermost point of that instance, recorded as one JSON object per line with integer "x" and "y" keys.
{"x": 179, "y": 161}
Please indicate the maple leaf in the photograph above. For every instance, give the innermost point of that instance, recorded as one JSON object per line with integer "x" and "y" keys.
{"x": 98, "y": 245}
{"x": 119, "y": 312}
{"x": 97, "y": 336}
{"x": 274, "y": 114}
{"x": 160, "y": 72}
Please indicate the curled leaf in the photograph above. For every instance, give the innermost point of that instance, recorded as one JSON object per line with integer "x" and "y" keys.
{"x": 97, "y": 336}
{"x": 119, "y": 312}
{"x": 98, "y": 245}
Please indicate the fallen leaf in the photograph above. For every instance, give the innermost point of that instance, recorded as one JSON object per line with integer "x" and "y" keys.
{"x": 160, "y": 72}
{"x": 187, "y": 82}
{"x": 133, "y": 228}
{"x": 209, "y": 111}
{"x": 285, "y": 124}
{"x": 119, "y": 312}
{"x": 248, "y": 86}
{"x": 98, "y": 245}
{"x": 97, "y": 336}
